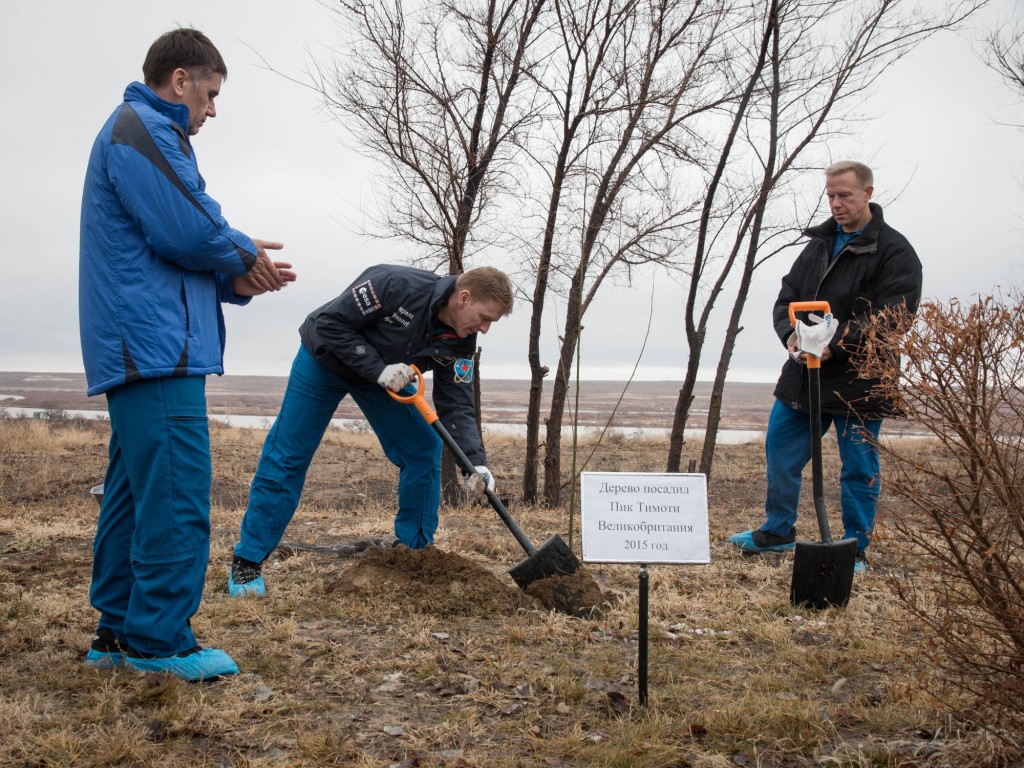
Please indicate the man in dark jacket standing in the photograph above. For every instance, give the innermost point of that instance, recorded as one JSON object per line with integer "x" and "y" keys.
{"x": 860, "y": 266}
{"x": 156, "y": 261}
{"x": 361, "y": 344}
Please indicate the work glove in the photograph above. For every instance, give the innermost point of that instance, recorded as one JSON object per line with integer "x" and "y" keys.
{"x": 814, "y": 337}
{"x": 793, "y": 349}
{"x": 477, "y": 483}
{"x": 396, "y": 376}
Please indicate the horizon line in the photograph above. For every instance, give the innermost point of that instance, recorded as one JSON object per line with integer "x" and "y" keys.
{"x": 506, "y": 377}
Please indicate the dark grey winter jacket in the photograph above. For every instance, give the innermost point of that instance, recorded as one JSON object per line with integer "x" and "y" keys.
{"x": 877, "y": 270}
{"x": 389, "y": 315}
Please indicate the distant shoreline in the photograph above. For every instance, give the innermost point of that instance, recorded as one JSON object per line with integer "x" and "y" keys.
{"x": 644, "y": 407}
{"x": 636, "y": 404}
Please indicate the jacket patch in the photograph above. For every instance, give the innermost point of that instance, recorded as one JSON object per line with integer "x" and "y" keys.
{"x": 365, "y": 297}
{"x": 463, "y": 371}
{"x": 401, "y": 316}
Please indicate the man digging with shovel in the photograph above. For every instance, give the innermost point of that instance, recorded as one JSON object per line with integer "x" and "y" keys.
{"x": 860, "y": 266}
{"x": 361, "y": 344}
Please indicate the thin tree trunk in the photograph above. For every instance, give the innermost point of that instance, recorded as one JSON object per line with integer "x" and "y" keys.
{"x": 559, "y": 393}
{"x": 768, "y": 181}
{"x": 677, "y": 436}
{"x": 696, "y": 332}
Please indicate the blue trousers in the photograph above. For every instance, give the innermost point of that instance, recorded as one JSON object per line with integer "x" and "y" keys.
{"x": 788, "y": 450}
{"x": 310, "y": 400}
{"x": 153, "y": 535}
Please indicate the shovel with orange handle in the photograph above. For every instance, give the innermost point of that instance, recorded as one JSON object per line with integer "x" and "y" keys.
{"x": 552, "y": 558}
{"x": 822, "y": 570}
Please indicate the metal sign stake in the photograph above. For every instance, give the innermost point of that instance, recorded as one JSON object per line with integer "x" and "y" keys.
{"x": 641, "y": 663}
{"x": 644, "y": 518}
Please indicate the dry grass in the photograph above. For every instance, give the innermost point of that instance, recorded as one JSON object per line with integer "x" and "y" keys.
{"x": 737, "y": 675}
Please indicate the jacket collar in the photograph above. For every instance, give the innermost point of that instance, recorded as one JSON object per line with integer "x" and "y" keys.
{"x": 442, "y": 291}
{"x": 178, "y": 113}
{"x": 868, "y": 238}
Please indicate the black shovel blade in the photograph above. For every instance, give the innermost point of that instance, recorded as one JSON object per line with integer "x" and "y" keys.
{"x": 552, "y": 558}
{"x": 823, "y": 573}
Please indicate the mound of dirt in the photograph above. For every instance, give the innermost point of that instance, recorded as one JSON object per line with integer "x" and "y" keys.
{"x": 430, "y": 581}
{"x": 576, "y": 594}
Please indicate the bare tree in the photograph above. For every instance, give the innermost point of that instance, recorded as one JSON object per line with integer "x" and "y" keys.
{"x": 628, "y": 77}
{"x": 1004, "y": 53}
{"x": 652, "y": 125}
{"x": 432, "y": 91}
{"x": 815, "y": 62}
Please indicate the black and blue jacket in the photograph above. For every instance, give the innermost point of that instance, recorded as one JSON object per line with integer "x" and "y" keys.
{"x": 875, "y": 271}
{"x": 156, "y": 256}
{"x": 389, "y": 315}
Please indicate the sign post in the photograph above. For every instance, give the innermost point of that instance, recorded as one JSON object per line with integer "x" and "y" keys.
{"x": 645, "y": 518}
{"x": 641, "y": 656}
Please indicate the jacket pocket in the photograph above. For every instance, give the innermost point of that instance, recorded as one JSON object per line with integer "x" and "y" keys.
{"x": 201, "y": 303}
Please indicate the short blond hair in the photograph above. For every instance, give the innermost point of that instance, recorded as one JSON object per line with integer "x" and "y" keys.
{"x": 488, "y": 284}
{"x": 865, "y": 178}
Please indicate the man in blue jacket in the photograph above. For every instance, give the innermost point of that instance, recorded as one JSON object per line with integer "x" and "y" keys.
{"x": 361, "y": 344}
{"x": 156, "y": 260}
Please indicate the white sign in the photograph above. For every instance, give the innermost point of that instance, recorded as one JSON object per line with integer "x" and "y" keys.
{"x": 644, "y": 517}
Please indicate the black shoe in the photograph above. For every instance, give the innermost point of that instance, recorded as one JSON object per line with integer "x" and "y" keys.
{"x": 758, "y": 541}
{"x": 105, "y": 651}
{"x": 131, "y": 653}
{"x": 767, "y": 540}
{"x": 246, "y": 578}
{"x": 105, "y": 642}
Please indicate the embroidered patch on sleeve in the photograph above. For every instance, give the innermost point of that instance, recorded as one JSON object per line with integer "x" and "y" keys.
{"x": 365, "y": 297}
{"x": 463, "y": 371}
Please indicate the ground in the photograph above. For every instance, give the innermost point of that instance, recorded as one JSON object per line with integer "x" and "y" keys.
{"x": 436, "y": 658}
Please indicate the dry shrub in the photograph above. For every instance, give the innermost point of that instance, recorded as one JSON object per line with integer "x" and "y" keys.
{"x": 40, "y": 458}
{"x": 963, "y": 367}
{"x": 55, "y": 431}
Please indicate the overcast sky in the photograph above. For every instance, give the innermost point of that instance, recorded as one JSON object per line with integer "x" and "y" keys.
{"x": 942, "y": 140}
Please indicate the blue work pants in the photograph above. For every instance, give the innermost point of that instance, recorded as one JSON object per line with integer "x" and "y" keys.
{"x": 310, "y": 400}
{"x": 788, "y": 450}
{"x": 153, "y": 535}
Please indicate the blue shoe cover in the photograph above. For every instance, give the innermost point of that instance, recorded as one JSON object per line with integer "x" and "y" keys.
{"x": 254, "y": 587}
{"x": 745, "y": 541}
{"x": 201, "y": 665}
{"x": 860, "y": 565}
{"x": 104, "y": 659}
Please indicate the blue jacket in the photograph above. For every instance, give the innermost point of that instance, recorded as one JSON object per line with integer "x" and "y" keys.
{"x": 389, "y": 315}
{"x": 156, "y": 256}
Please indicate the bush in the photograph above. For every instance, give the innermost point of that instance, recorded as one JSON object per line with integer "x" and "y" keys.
{"x": 961, "y": 377}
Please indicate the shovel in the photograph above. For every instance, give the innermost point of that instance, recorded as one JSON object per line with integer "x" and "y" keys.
{"x": 552, "y": 558}
{"x": 822, "y": 571}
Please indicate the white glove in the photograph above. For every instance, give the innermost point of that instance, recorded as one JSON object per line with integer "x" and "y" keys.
{"x": 396, "y": 376}
{"x": 479, "y": 482}
{"x": 813, "y": 339}
{"x": 792, "y": 348}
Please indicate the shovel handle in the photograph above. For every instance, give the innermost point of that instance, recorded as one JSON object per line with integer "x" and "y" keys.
{"x": 813, "y": 361}
{"x": 416, "y": 399}
{"x": 807, "y": 306}
{"x": 814, "y": 394}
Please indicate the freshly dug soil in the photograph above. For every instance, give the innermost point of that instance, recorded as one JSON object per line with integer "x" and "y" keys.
{"x": 443, "y": 583}
{"x": 430, "y": 581}
{"x": 576, "y": 594}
